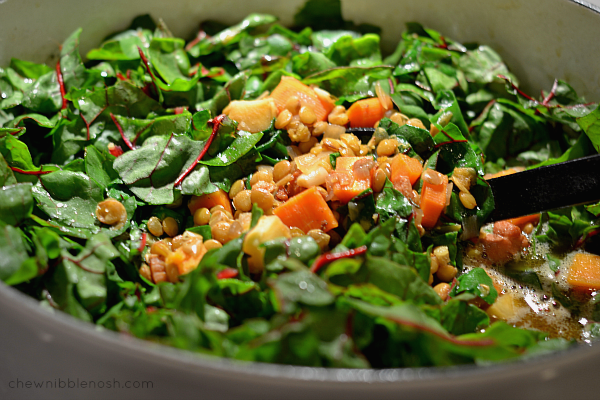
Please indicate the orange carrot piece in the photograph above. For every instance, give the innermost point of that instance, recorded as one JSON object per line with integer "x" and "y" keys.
{"x": 501, "y": 173}
{"x": 403, "y": 165}
{"x": 185, "y": 263}
{"x": 433, "y": 201}
{"x": 365, "y": 113}
{"x": 522, "y": 221}
{"x": 344, "y": 194}
{"x": 585, "y": 271}
{"x": 289, "y": 87}
{"x": 218, "y": 198}
{"x": 307, "y": 210}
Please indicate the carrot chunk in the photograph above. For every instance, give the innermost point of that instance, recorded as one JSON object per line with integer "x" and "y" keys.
{"x": 522, "y": 221}
{"x": 307, "y": 210}
{"x": 433, "y": 201}
{"x": 343, "y": 190}
{"x": 218, "y": 198}
{"x": 585, "y": 271}
{"x": 403, "y": 165}
{"x": 501, "y": 173}
{"x": 184, "y": 262}
{"x": 289, "y": 87}
{"x": 365, "y": 113}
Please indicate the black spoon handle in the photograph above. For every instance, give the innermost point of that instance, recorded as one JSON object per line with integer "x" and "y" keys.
{"x": 546, "y": 188}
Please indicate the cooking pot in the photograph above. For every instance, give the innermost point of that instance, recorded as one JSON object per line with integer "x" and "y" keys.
{"x": 45, "y": 354}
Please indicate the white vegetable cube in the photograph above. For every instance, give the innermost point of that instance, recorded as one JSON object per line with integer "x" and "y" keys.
{"x": 269, "y": 227}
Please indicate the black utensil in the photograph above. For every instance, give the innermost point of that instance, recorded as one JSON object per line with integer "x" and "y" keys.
{"x": 546, "y": 188}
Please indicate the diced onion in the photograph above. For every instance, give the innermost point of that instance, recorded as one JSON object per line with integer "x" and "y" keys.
{"x": 432, "y": 177}
{"x": 323, "y": 160}
{"x": 362, "y": 168}
{"x": 305, "y": 162}
{"x": 418, "y": 213}
{"x": 384, "y": 98}
{"x": 334, "y": 132}
{"x": 325, "y": 96}
{"x": 293, "y": 152}
{"x": 449, "y": 193}
{"x": 316, "y": 177}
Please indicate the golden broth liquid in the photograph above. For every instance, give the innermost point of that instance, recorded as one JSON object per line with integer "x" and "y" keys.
{"x": 534, "y": 308}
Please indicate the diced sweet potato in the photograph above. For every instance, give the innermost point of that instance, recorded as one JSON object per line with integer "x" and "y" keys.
{"x": 522, "y": 221}
{"x": 252, "y": 115}
{"x": 365, "y": 113}
{"x": 289, "y": 87}
{"x": 307, "y": 210}
{"x": 585, "y": 271}
{"x": 503, "y": 308}
{"x": 187, "y": 261}
{"x": 403, "y": 165}
{"x": 501, "y": 173}
{"x": 210, "y": 200}
{"x": 343, "y": 191}
{"x": 433, "y": 200}
{"x": 269, "y": 227}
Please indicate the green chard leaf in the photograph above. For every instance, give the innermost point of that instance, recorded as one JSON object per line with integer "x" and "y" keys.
{"x": 591, "y": 126}
{"x": 123, "y": 46}
{"x": 350, "y": 83}
{"x": 16, "y": 203}
{"x": 78, "y": 284}
{"x": 169, "y": 58}
{"x": 18, "y": 158}
{"x": 69, "y": 197}
{"x": 242, "y": 144}
{"x": 420, "y": 139}
{"x": 302, "y": 287}
{"x": 44, "y": 95}
{"x": 28, "y": 69}
{"x": 483, "y": 65}
{"x": 460, "y": 317}
{"x": 456, "y": 151}
{"x": 230, "y": 35}
{"x": 7, "y": 177}
{"x": 391, "y": 203}
{"x": 198, "y": 182}
{"x": 99, "y": 166}
{"x": 151, "y": 170}
{"x": 477, "y": 282}
{"x": 74, "y": 74}
{"x": 70, "y": 200}
{"x": 14, "y": 266}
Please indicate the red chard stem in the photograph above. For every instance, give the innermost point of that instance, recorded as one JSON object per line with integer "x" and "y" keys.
{"x": 216, "y": 123}
{"x": 329, "y": 257}
{"x": 127, "y": 141}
